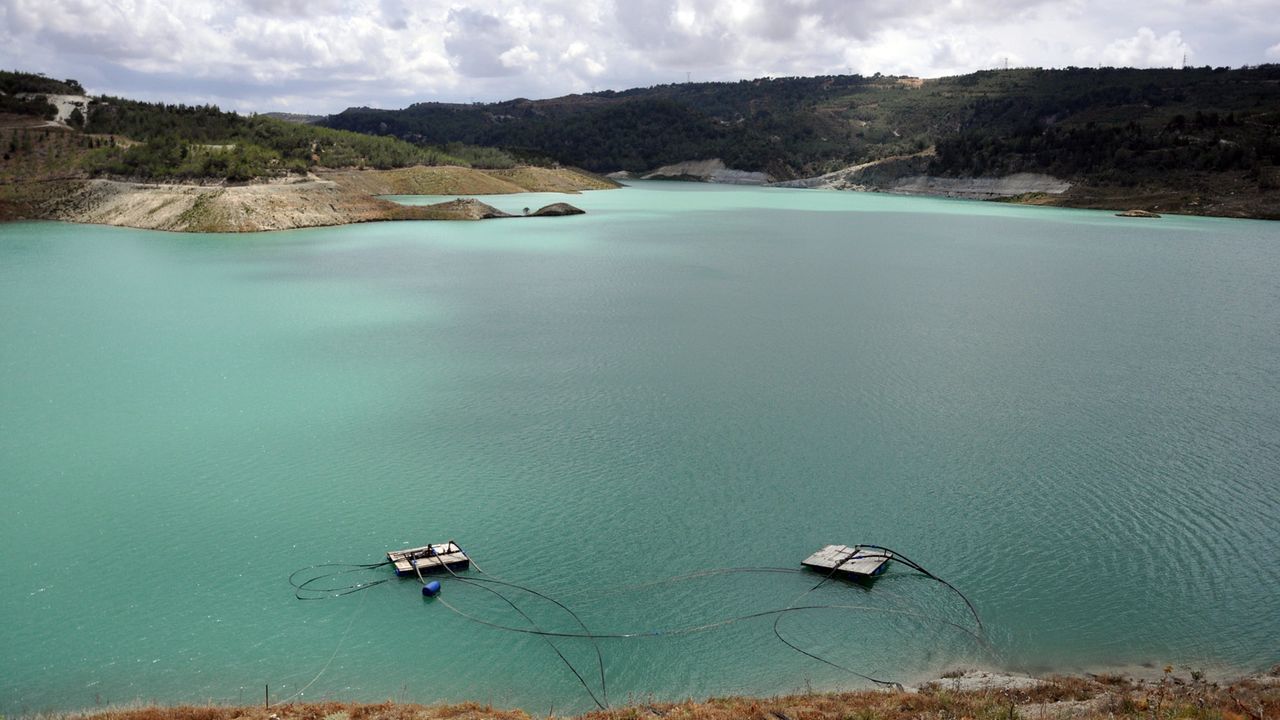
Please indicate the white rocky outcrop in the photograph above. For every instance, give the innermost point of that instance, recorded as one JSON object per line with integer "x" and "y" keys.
{"x": 64, "y": 103}
{"x": 713, "y": 170}
{"x": 981, "y": 188}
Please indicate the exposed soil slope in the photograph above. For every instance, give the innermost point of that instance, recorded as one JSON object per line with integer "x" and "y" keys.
{"x": 421, "y": 180}
{"x": 336, "y": 198}
{"x": 451, "y": 180}
{"x": 564, "y": 180}
{"x": 250, "y": 208}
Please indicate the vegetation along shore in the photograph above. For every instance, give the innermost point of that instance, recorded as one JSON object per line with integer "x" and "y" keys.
{"x": 1201, "y": 141}
{"x": 1161, "y": 695}
{"x": 198, "y": 169}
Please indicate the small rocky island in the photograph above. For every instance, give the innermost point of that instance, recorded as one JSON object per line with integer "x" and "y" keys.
{"x": 556, "y": 210}
{"x": 473, "y": 209}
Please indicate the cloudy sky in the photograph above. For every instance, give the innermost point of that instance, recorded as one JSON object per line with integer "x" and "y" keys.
{"x": 321, "y": 56}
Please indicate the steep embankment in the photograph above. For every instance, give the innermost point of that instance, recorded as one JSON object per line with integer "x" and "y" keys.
{"x": 194, "y": 208}
{"x": 247, "y": 208}
{"x": 336, "y": 198}
{"x": 562, "y": 179}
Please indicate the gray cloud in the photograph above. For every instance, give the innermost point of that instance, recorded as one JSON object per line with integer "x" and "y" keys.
{"x": 294, "y": 8}
{"x": 476, "y": 42}
{"x": 322, "y": 55}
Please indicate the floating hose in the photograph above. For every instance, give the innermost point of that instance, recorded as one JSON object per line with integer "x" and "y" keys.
{"x": 546, "y": 637}
{"x": 694, "y": 629}
{"x": 350, "y": 623}
{"x": 892, "y": 555}
{"x": 911, "y": 563}
{"x": 332, "y": 592}
{"x": 306, "y": 590}
{"x": 778, "y": 633}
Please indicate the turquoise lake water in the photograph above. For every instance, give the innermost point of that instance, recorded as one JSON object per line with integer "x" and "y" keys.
{"x": 1072, "y": 417}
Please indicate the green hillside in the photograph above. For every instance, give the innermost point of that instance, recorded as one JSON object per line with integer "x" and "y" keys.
{"x": 1100, "y": 126}
{"x": 158, "y": 141}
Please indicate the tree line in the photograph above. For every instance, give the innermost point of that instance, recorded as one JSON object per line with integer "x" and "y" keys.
{"x": 1113, "y": 122}
{"x": 202, "y": 141}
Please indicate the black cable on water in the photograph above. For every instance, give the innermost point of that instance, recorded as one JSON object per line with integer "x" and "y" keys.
{"x": 911, "y": 563}
{"x": 586, "y": 631}
{"x": 306, "y": 590}
{"x": 332, "y": 592}
{"x": 693, "y": 629}
{"x": 778, "y": 633}
{"x": 545, "y": 636}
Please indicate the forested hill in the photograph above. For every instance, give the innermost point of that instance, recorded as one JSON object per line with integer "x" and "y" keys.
{"x": 118, "y": 137}
{"x": 785, "y": 126}
{"x": 1107, "y": 125}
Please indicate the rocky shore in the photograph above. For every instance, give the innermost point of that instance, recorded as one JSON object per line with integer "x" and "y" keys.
{"x": 1221, "y": 194}
{"x": 327, "y": 198}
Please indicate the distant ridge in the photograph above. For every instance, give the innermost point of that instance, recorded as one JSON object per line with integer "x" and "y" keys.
{"x": 295, "y": 117}
{"x": 1199, "y": 140}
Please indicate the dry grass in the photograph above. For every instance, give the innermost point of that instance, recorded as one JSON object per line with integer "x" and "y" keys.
{"x": 302, "y": 711}
{"x": 449, "y": 180}
{"x": 1103, "y": 697}
{"x": 563, "y": 180}
{"x": 422, "y": 180}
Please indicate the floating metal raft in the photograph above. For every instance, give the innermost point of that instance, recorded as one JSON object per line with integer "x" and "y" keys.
{"x": 856, "y": 561}
{"x": 429, "y": 558}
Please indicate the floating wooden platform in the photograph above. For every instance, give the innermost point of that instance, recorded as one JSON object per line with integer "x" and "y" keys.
{"x": 429, "y": 558}
{"x": 857, "y": 561}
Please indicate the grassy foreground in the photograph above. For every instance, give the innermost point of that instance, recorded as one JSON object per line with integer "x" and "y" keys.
{"x": 1172, "y": 696}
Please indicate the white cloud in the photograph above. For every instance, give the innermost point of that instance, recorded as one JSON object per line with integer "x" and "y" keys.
{"x": 476, "y": 41}
{"x": 518, "y": 57}
{"x": 1144, "y": 49}
{"x": 323, "y": 55}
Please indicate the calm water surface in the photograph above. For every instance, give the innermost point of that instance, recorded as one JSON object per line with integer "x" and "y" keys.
{"x": 1074, "y": 418}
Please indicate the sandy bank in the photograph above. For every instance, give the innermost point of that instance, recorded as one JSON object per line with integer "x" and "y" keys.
{"x": 330, "y": 198}
{"x": 194, "y": 208}
{"x": 248, "y": 208}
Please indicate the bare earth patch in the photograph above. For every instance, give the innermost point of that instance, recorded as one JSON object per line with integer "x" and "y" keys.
{"x": 336, "y": 198}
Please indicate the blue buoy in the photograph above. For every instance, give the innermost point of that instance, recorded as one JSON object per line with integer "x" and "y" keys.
{"x": 431, "y": 589}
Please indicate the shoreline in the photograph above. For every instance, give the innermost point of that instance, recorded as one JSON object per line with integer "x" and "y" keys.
{"x": 323, "y": 199}
{"x": 328, "y": 198}
{"x": 1150, "y": 694}
{"x": 1226, "y": 195}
